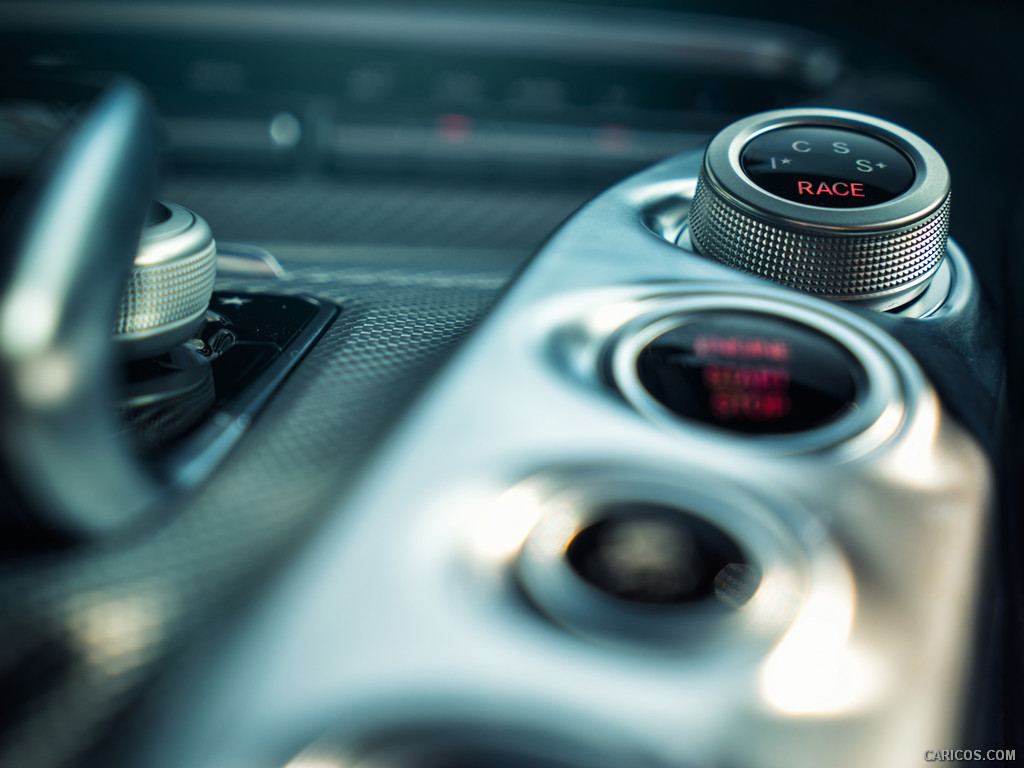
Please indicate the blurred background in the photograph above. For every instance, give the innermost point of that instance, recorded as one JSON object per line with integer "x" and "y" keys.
{"x": 483, "y": 124}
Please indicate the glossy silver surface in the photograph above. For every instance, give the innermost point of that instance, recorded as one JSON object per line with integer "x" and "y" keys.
{"x": 463, "y": 732}
{"x": 169, "y": 287}
{"x": 243, "y": 260}
{"x": 879, "y": 256}
{"x": 412, "y": 597}
{"x": 56, "y": 310}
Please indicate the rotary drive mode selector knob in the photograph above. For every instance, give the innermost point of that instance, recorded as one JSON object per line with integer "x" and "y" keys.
{"x": 834, "y": 203}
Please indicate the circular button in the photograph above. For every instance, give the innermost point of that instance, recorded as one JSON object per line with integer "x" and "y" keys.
{"x": 650, "y": 554}
{"x": 838, "y": 204}
{"x": 659, "y": 557}
{"x": 750, "y": 373}
{"x": 827, "y": 167}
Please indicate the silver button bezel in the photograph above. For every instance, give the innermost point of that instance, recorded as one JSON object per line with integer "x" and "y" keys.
{"x": 882, "y": 400}
{"x": 783, "y": 542}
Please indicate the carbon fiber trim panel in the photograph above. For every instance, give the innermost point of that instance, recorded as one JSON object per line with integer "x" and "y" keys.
{"x": 85, "y": 628}
{"x": 406, "y": 212}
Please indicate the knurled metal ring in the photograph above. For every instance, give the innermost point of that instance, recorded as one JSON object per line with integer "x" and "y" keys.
{"x": 879, "y": 256}
{"x": 169, "y": 287}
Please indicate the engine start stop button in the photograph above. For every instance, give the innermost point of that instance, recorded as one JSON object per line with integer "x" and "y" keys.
{"x": 749, "y": 372}
{"x": 827, "y": 167}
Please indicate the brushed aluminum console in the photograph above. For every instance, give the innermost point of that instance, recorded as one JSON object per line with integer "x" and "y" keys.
{"x": 440, "y": 601}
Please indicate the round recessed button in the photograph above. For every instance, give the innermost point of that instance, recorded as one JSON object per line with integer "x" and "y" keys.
{"x": 827, "y": 167}
{"x": 750, "y": 373}
{"x": 655, "y": 555}
{"x": 641, "y": 555}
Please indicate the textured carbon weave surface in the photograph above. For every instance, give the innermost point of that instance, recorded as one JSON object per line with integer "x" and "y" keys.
{"x": 846, "y": 266}
{"x": 83, "y": 629}
{"x": 452, "y": 214}
{"x": 153, "y": 423}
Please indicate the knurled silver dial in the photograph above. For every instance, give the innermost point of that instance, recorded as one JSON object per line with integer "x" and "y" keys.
{"x": 834, "y": 203}
{"x": 169, "y": 286}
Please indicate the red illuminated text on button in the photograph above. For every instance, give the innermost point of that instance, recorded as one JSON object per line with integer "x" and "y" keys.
{"x": 741, "y": 347}
{"x": 756, "y": 379}
{"x": 840, "y": 188}
{"x": 756, "y": 407}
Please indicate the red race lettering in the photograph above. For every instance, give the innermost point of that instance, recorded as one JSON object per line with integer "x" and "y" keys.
{"x": 840, "y": 188}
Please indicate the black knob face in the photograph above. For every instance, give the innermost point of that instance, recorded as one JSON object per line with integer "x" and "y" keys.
{"x": 656, "y": 555}
{"x": 827, "y": 167}
{"x": 838, "y": 204}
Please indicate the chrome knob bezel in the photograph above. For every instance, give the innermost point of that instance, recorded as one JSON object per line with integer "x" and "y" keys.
{"x": 879, "y": 256}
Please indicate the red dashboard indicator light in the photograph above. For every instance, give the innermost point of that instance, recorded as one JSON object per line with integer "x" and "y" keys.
{"x": 613, "y": 137}
{"x": 454, "y": 128}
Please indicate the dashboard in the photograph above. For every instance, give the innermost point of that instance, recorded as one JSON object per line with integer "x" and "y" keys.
{"x": 503, "y": 412}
